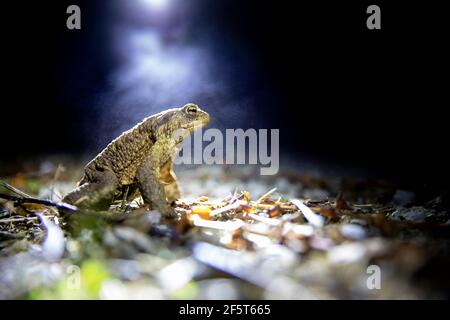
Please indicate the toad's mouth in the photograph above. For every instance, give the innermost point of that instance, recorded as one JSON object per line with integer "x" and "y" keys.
{"x": 197, "y": 124}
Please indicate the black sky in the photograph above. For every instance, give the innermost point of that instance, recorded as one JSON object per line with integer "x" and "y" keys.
{"x": 338, "y": 92}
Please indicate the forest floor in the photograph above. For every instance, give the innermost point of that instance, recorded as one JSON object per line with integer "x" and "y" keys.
{"x": 239, "y": 235}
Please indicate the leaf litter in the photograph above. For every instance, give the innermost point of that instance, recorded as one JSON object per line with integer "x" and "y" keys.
{"x": 265, "y": 239}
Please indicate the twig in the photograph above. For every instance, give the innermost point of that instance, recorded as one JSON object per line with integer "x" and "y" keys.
{"x": 9, "y": 235}
{"x": 124, "y": 200}
{"x": 265, "y": 195}
{"x": 313, "y": 218}
{"x": 20, "y": 200}
{"x": 263, "y": 206}
{"x": 55, "y": 178}
{"x": 13, "y": 190}
{"x": 17, "y": 219}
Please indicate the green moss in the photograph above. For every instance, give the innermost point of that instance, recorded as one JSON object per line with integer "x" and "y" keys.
{"x": 79, "y": 283}
{"x": 189, "y": 291}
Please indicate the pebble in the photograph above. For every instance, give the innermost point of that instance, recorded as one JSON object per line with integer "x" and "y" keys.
{"x": 353, "y": 231}
{"x": 414, "y": 214}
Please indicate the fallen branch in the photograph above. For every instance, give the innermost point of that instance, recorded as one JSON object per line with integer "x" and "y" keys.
{"x": 10, "y": 220}
{"x": 21, "y": 200}
{"x": 9, "y": 187}
{"x": 9, "y": 235}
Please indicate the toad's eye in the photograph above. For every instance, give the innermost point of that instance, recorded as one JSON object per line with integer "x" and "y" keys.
{"x": 192, "y": 109}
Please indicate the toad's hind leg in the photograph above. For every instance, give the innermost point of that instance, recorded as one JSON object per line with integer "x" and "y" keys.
{"x": 96, "y": 194}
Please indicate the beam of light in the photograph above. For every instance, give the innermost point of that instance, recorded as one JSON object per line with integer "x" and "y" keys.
{"x": 156, "y": 73}
{"x": 156, "y": 4}
{"x": 159, "y": 67}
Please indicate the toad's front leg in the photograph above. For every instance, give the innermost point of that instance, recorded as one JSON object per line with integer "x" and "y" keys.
{"x": 149, "y": 178}
{"x": 169, "y": 180}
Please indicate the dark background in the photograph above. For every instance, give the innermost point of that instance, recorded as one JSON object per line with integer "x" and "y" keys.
{"x": 340, "y": 94}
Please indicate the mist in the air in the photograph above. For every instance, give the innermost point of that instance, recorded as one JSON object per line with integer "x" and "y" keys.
{"x": 162, "y": 63}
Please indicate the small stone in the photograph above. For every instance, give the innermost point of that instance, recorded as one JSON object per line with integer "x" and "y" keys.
{"x": 414, "y": 214}
{"x": 353, "y": 231}
{"x": 347, "y": 253}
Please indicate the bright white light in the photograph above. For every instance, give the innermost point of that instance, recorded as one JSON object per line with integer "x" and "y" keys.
{"x": 156, "y": 4}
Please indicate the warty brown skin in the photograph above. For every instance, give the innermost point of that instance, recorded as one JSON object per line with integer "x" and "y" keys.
{"x": 139, "y": 159}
